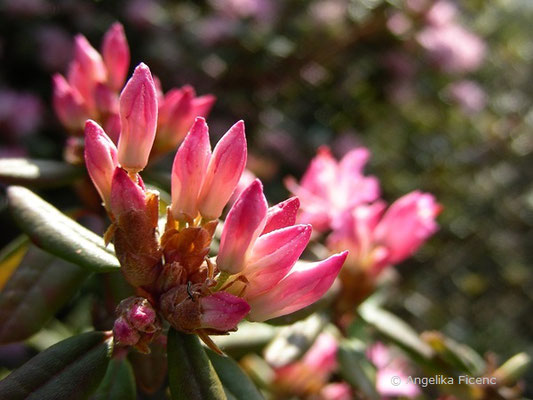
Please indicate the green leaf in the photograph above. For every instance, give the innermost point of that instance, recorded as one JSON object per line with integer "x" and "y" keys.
{"x": 150, "y": 369}
{"x": 356, "y": 369}
{"x": 396, "y": 330}
{"x": 10, "y": 258}
{"x": 191, "y": 374}
{"x": 58, "y": 234}
{"x": 35, "y": 292}
{"x": 236, "y": 383}
{"x": 293, "y": 341}
{"x": 249, "y": 338}
{"x": 69, "y": 370}
{"x": 37, "y": 173}
{"x": 118, "y": 382}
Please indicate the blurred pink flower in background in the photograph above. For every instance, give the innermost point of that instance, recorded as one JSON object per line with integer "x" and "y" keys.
{"x": 468, "y": 94}
{"x": 452, "y": 48}
{"x": 389, "y": 366}
{"x": 258, "y": 9}
{"x": 20, "y": 114}
{"x": 329, "y": 187}
{"x": 443, "y": 12}
{"x": 377, "y": 238}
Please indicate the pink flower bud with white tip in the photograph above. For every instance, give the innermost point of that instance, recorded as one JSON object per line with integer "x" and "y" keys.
{"x": 138, "y": 120}
{"x": 223, "y": 173}
{"x": 100, "y": 159}
{"x": 188, "y": 171}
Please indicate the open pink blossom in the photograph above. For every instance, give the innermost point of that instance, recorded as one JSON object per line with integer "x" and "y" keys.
{"x": 264, "y": 265}
{"x": 377, "y": 238}
{"x": 329, "y": 187}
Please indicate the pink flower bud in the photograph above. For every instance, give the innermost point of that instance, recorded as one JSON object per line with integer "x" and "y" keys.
{"x": 222, "y": 311}
{"x": 116, "y": 54}
{"x": 244, "y": 223}
{"x": 202, "y": 105}
{"x": 126, "y": 195}
{"x": 138, "y": 120}
{"x": 90, "y": 62}
{"x": 124, "y": 333}
{"x": 407, "y": 224}
{"x": 282, "y": 215}
{"x": 100, "y": 159}
{"x": 142, "y": 316}
{"x": 224, "y": 171}
{"x": 188, "y": 170}
{"x": 106, "y": 100}
{"x": 180, "y": 115}
{"x": 305, "y": 284}
{"x": 68, "y": 104}
{"x": 273, "y": 255}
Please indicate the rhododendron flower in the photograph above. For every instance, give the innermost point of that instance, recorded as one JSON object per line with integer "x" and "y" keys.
{"x": 329, "y": 188}
{"x": 310, "y": 375}
{"x": 256, "y": 274}
{"x": 92, "y": 84}
{"x": 177, "y": 112}
{"x": 264, "y": 265}
{"x": 201, "y": 181}
{"x": 377, "y": 238}
{"x": 468, "y": 94}
{"x": 388, "y": 367}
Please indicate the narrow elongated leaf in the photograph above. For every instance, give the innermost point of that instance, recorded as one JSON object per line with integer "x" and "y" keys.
{"x": 150, "y": 369}
{"x": 356, "y": 369}
{"x": 191, "y": 374}
{"x": 37, "y": 173}
{"x": 236, "y": 383}
{"x": 58, "y": 234}
{"x": 396, "y": 330}
{"x": 35, "y": 292}
{"x": 10, "y": 258}
{"x": 118, "y": 382}
{"x": 293, "y": 341}
{"x": 250, "y": 337}
{"x": 69, "y": 370}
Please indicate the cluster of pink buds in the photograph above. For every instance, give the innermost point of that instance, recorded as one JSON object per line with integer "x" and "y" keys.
{"x": 92, "y": 87}
{"x": 256, "y": 274}
{"x": 337, "y": 197}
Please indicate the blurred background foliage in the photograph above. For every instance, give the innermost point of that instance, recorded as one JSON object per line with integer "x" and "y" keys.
{"x": 343, "y": 73}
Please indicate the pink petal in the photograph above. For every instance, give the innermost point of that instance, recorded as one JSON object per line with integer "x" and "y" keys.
{"x": 281, "y": 215}
{"x": 224, "y": 171}
{"x": 222, "y": 311}
{"x": 304, "y": 285}
{"x": 202, "y": 105}
{"x": 408, "y": 223}
{"x": 68, "y": 104}
{"x": 243, "y": 225}
{"x": 100, "y": 159}
{"x": 273, "y": 256}
{"x": 138, "y": 120}
{"x": 116, "y": 55}
{"x": 188, "y": 170}
{"x": 126, "y": 195}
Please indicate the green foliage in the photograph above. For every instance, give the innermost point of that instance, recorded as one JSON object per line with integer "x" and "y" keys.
{"x": 53, "y": 231}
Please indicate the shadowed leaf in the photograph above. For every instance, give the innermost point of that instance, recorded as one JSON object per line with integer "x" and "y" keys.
{"x": 58, "y": 234}
{"x": 69, "y": 370}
